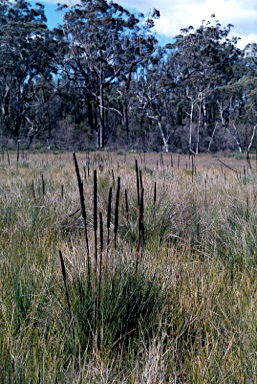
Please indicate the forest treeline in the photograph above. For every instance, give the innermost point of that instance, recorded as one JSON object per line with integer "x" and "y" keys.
{"x": 101, "y": 79}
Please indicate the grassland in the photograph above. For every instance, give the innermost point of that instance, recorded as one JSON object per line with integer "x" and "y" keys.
{"x": 155, "y": 282}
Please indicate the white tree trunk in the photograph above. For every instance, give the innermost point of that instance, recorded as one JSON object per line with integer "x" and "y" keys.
{"x": 252, "y": 137}
{"x": 165, "y": 140}
{"x": 212, "y": 136}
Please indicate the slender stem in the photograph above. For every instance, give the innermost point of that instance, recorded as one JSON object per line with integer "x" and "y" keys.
{"x": 140, "y": 179}
{"x": 108, "y": 224}
{"x": 137, "y": 176}
{"x": 43, "y": 184}
{"x": 155, "y": 193}
{"x": 95, "y": 219}
{"x": 126, "y": 205}
{"x": 116, "y": 219}
{"x": 64, "y": 276}
{"x": 84, "y": 217}
{"x": 140, "y": 227}
{"x": 100, "y": 264}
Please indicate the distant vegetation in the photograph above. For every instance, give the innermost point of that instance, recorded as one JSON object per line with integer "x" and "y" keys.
{"x": 101, "y": 79}
{"x": 127, "y": 268}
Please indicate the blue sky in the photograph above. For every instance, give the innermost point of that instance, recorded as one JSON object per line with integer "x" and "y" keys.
{"x": 176, "y": 14}
{"x": 53, "y": 17}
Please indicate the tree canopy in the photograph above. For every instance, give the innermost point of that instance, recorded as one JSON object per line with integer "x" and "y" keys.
{"x": 102, "y": 79}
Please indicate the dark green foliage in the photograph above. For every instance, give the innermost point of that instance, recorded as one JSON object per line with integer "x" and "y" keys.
{"x": 130, "y": 305}
{"x": 102, "y": 79}
{"x": 159, "y": 222}
{"x": 26, "y": 56}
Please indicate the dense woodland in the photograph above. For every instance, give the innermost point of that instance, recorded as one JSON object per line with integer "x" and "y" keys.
{"x": 101, "y": 79}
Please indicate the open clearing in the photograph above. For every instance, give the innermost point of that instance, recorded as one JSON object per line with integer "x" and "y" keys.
{"x": 137, "y": 268}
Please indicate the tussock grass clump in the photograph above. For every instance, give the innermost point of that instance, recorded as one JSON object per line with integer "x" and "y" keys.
{"x": 130, "y": 303}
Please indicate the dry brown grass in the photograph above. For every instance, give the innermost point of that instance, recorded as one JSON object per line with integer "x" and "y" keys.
{"x": 200, "y": 247}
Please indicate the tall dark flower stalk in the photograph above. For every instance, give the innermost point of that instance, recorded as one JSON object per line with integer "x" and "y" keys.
{"x": 84, "y": 217}
{"x": 108, "y": 224}
{"x": 116, "y": 218}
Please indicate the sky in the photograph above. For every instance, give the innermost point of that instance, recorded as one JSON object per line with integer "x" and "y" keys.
{"x": 177, "y": 14}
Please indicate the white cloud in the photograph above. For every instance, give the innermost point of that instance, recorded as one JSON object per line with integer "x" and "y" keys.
{"x": 177, "y": 14}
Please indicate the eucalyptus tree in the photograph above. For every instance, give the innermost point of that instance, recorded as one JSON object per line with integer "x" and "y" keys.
{"x": 237, "y": 106}
{"x": 25, "y": 56}
{"x": 154, "y": 91}
{"x": 106, "y": 44}
{"x": 205, "y": 59}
